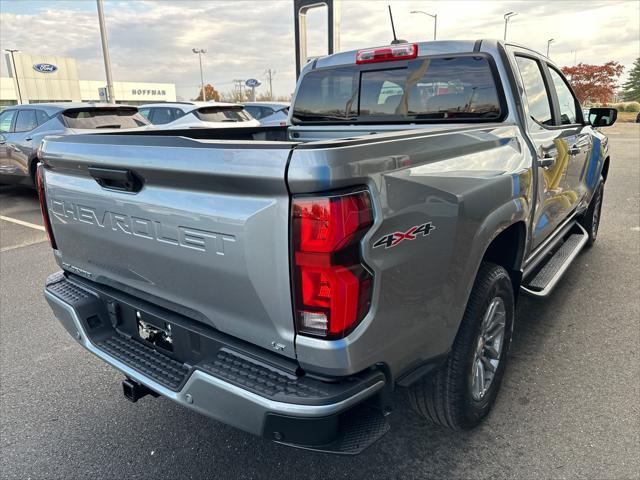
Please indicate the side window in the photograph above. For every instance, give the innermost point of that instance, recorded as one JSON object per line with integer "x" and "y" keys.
{"x": 163, "y": 115}
{"x": 145, "y": 113}
{"x": 537, "y": 97}
{"x": 6, "y": 118}
{"x": 41, "y": 117}
{"x": 254, "y": 111}
{"x": 266, "y": 111}
{"x": 26, "y": 121}
{"x": 177, "y": 113}
{"x": 568, "y": 113}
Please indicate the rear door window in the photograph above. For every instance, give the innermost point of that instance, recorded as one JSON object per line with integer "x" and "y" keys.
{"x": 42, "y": 117}
{"x": 163, "y": 115}
{"x": 96, "y": 118}
{"x": 6, "y": 119}
{"x": 535, "y": 90}
{"x": 26, "y": 121}
{"x": 437, "y": 89}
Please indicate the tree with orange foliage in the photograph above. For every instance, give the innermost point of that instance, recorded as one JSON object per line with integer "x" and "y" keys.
{"x": 594, "y": 83}
{"x": 210, "y": 94}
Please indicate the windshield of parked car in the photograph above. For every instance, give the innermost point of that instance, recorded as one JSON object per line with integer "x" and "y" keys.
{"x": 426, "y": 89}
{"x": 95, "y": 118}
{"x": 222, "y": 114}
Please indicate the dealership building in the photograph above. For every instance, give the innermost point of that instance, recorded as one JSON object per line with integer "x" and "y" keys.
{"x": 39, "y": 79}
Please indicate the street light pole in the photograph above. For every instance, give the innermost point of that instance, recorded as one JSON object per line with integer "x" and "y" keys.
{"x": 15, "y": 73}
{"x": 507, "y": 17}
{"x": 549, "y": 42}
{"x": 200, "y": 51}
{"x": 105, "y": 52}
{"x": 435, "y": 20}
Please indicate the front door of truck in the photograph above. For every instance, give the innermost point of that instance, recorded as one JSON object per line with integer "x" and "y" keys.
{"x": 577, "y": 138}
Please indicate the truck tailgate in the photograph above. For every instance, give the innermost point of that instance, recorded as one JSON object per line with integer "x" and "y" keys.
{"x": 206, "y": 235}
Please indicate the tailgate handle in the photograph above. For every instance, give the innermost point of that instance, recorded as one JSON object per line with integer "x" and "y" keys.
{"x": 116, "y": 179}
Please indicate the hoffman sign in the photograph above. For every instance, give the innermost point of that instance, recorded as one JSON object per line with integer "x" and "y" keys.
{"x": 140, "y": 91}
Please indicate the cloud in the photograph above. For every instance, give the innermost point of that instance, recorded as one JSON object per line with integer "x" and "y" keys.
{"x": 152, "y": 40}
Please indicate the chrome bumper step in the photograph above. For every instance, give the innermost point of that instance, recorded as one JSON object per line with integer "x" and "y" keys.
{"x": 544, "y": 279}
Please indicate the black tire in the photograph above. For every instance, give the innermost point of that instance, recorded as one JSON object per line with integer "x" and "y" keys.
{"x": 33, "y": 168}
{"x": 445, "y": 397}
{"x": 590, "y": 220}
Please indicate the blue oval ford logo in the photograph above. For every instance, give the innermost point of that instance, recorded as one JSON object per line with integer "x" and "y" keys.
{"x": 45, "y": 67}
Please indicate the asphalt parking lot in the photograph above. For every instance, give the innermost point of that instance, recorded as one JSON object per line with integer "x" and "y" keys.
{"x": 569, "y": 406}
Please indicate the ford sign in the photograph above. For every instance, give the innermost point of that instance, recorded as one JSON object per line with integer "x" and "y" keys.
{"x": 45, "y": 67}
{"x": 252, "y": 82}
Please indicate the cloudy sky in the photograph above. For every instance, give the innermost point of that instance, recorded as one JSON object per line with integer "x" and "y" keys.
{"x": 151, "y": 40}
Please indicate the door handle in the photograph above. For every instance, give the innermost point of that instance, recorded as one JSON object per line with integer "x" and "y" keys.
{"x": 28, "y": 139}
{"x": 547, "y": 160}
{"x": 117, "y": 179}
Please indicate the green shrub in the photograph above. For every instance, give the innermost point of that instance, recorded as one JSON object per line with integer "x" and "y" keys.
{"x": 626, "y": 106}
{"x": 632, "y": 107}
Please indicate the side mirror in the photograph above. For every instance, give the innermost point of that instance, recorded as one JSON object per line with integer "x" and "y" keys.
{"x": 602, "y": 117}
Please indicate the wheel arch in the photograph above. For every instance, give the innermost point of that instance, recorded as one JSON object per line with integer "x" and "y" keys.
{"x": 32, "y": 165}
{"x": 507, "y": 250}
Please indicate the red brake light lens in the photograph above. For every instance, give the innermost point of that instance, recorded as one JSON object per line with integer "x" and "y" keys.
{"x": 332, "y": 286}
{"x": 43, "y": 206}
{"x": 405, "y": 51}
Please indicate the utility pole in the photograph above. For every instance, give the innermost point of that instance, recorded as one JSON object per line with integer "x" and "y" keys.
{"x": 507, "y": 17}
{"x": 549, "y": 42}
{"x": 270, "y": 73}
{"x": 435, "y": 20}
{"x": 105, "y": 52}
{"x": 200, "y": 52}
{"x": 15, "y": 73}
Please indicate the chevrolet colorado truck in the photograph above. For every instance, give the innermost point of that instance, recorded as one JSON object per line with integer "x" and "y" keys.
{"x": 288, "y": 280}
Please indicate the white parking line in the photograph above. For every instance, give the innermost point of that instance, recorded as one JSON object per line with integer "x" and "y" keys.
{"x": 20, "y": 245}
{"x": 21, "y": 222}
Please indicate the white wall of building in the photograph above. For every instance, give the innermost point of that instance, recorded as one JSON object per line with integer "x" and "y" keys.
{"x": 56, "y": 86}
{"x": 130, "y": 91}
{"x": 61, "y": 84}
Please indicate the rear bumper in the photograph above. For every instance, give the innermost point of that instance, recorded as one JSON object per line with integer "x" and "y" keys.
{"x": 207, "y": 387}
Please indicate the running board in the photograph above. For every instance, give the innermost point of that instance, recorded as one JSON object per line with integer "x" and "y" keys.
{"x": 543, "y": 281}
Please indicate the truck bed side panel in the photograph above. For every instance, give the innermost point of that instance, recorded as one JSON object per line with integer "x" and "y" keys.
{"x": 468, "y": 182}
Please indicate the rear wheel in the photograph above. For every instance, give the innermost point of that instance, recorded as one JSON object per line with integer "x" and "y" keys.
{"x": 591, "y": 218}
{"x": 461, "y": 393}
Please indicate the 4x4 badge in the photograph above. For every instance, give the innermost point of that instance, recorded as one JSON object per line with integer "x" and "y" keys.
{"x": 395, "y": 238}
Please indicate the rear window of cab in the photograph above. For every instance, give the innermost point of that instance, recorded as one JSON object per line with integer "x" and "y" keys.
{"x": 441, "y": 89}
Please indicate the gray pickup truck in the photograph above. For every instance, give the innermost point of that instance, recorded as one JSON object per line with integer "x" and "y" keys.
{"x": 288, "y": 280}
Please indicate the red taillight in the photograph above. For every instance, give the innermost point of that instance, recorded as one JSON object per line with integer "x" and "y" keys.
{"x": 43, "y": 206}
{"x": 332, "y": 287}
{"x": 405, "y": 51}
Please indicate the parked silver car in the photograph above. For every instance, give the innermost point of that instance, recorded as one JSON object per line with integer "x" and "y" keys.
{"x": 269, "y": 114}
{"x": 198, "y": 115}
{"x": 22, "y": 128}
